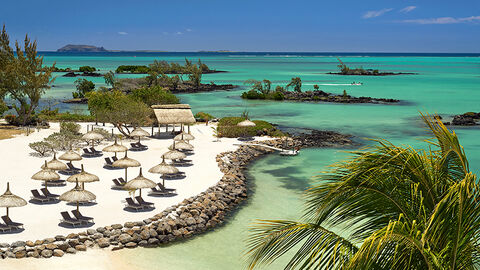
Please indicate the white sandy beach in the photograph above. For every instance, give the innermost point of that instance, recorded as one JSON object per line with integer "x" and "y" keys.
{"x": 17, "y": 166}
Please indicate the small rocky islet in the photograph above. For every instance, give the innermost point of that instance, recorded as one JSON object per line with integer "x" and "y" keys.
{"x": 466, "y": 119}
{"x": 319, "y": 95}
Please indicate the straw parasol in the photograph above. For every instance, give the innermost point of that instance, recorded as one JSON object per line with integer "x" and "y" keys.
{"x": 70, "y": 156}
{"x": 181, "y": 145}
{"x": 174, "y": 154}
{"x": 139, "y": 132}
{"x": 139, "y": 182}
{"x": 55, "y": 164}
{"x": 8, "y": 199}
{"x": 77, "y": 195}
{"x": 246, "y": 123}
{"x": 92, "y": 135}
{"x": 46, "y": 175}
{"x": 126, "y": 162}
{"x": 83, "y": 177}
{"x": 163, "y": 168}
{"x": 115, "y": 148}
{"x": 184, "y": 136}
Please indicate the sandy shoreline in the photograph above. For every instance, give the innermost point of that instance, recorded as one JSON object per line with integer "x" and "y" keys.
{"x": 41, "y": 221}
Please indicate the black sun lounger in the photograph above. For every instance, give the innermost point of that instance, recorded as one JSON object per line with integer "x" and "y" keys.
{"x": 67, "y": 219}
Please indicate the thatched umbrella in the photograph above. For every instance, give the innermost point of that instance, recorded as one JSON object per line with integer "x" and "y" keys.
{"x": 163, "y": 168}
{"x": 181, "y": 145}
{"x": 70, "y": 156}
{"x": 246, "y": 123}
{"x": 8, "y": 199}
{"x": 83, "y": 177}
{"x": 139, "y": 132}
{"x": 55, "y": 164}
{"x": 46, "y": 175}
{"x": 174, "y": 154}
{"x": 92, "y": 135}
{"x": 126, "y": 162}
{"x": 139, "y": 182}
{"x": 115, "y": 148}
{"x": 184, "y": 136}
{"x": 77, "y": 195}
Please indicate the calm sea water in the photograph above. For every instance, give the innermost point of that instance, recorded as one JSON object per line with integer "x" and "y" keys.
{"x": 445, "y": 84}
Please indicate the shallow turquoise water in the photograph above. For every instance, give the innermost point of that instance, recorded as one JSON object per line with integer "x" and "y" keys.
{"x": 446, "y": 85}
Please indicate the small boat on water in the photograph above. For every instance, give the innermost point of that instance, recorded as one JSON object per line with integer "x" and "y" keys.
{"x": 289, "y": 152}
{"x": 356, "y": 83}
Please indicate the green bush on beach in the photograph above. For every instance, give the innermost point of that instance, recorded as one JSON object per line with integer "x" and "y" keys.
{"x": 204, "y": 116}
{"x": 227, "y": 127}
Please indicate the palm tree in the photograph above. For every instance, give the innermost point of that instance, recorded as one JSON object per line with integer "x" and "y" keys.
{"x": 404, "y": 208}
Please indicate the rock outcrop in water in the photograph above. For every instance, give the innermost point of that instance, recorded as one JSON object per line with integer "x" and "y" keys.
{"x": 466, "y": 119}
{"x": 319, "y": 95}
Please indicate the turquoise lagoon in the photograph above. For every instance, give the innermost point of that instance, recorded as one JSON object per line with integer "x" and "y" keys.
{"x": 445, "y": 84}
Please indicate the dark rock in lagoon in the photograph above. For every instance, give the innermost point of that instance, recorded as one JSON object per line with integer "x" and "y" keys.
{"x": 76, "y": 101}
{"x": 466, "y": 119}
{"x": 83, "y": 74}
{"x": 371, "y": 73}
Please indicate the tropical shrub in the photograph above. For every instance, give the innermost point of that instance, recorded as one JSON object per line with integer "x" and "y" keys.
{"x": 403, "y": 208}
{"x": 86, "y": 69}
{"x": 227, "y": 127}
{"x": 154, "y": 95}
{"x": 70, "y": 127}
{"x": 3, "y": 108}
{"x": 204, "y": 116}
{"x": 83, "y": 87}
{"x": 42, "y": 148}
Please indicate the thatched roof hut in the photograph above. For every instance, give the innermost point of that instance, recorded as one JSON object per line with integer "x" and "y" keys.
{"x": 173, "y": 114}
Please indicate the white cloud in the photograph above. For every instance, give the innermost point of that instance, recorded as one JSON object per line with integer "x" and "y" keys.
{"x": 188, "y": 30}
{"x": 444, "y": 20}
{"x": 407, "y": 9}
{"x": 376, "y": 13}
{"x": 179, "y": 33}
{"x": 122, "y": 33}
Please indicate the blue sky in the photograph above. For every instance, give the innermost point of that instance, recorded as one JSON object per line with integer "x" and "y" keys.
{"x": 250, "y": 25}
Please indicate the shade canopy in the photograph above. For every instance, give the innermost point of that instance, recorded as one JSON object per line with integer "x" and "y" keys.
{"x": 70, "y": 155}
{"x": 246, "y": 123}
{"x": 126, "y": 162}
{"x": 83, "y": 177}
{"x": 181, "y": 145}
{"x": 184, "y": 136}
{"x": 115, "y": 147}
{"x": 10, "y": 200}
{"x": 163, "y": 168}
{"x": 92, "y": 135}
{"x": 174, "y": 154}
{"x": 139, "y": 182}
{"x": 173, "y": 114}
{"x": 139, "y": 132}
{"x": 46, "y": 174}
{"x": 77, "y": 195}
{"x": 55, "y": 164}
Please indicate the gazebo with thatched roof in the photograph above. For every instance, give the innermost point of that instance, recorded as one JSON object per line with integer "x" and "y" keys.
{"x": 172, "y": 114}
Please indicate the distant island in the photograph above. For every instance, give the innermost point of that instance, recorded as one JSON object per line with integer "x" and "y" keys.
{"x": 81, "y": 48}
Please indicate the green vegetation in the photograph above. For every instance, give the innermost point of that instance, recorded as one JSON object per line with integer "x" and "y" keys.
{"x": 42, "y": 148}
{"x": 404, "y": 208}
{"x": 227, "y": 127}
{"x": 262, "y": 89}
{"x": 3, "y": 107}
{"x": 122, "y": 110}
{"x": 109, "y": 78}
{"x": 204, "y": 116}
{"x": 67, "y": 116}
{"x": 345, "y": 70}
{"x": 68, "y": 137}
{"x": 71, "y": 127}
{"x": 23, "y": 77}
{"x": 83, "y": 87}
{"x": 154, "y": 95}
{"x": 164, "y": 67}
{"x": 86, "y": 69}
{"x": 296, "y": 83}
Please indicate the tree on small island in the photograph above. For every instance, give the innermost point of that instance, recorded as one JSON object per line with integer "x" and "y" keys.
{"x": 83, "y": 87}
{"x": 296, "y": 83}
{"x": 86, "y": 69}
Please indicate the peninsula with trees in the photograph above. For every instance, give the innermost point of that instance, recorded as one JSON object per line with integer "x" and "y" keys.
{"x": 293, "y": 92}
{"x": 81, "y": 48}
{"x": 360, "y": 71}
{"x": 166, "y": 68}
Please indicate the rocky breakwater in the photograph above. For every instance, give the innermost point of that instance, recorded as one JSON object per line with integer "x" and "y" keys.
{"x": 192, "y": 216}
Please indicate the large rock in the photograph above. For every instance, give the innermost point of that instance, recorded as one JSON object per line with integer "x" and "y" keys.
{"x": 46, "y": 253}
{"x": 80, "y": 247}
{"x": 58, "y": 253}
{"x": 103, "y": 242}
{"x": 124, "y": 238}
